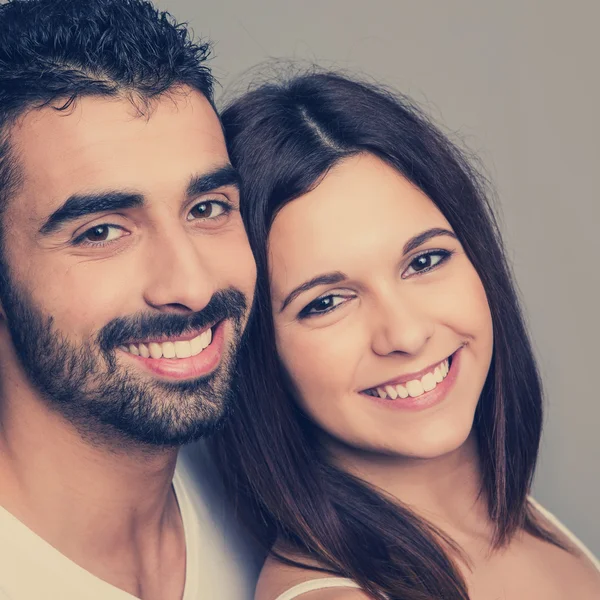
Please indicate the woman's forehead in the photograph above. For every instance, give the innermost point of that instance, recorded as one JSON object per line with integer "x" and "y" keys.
{"x": 359, "y": 204}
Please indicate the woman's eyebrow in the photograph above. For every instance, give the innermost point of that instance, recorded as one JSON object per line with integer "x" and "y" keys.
{"x": 323, "y": 279}
{"x": 338, "y": 276}
{"x": 421, "y": 238}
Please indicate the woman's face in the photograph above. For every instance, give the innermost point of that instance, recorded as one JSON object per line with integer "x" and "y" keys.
{"x": 373, "y": 299}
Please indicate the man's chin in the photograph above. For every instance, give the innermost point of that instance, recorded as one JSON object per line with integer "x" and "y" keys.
{"x": 160, "y": 426}
{"x": 168, "y": 438}
{"x": 110, "y": 401}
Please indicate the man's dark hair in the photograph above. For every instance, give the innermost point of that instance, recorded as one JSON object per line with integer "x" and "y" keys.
{"x": 54, "y": 51}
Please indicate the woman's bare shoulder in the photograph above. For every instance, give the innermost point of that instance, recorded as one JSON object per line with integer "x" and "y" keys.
{"x": 576, "y": 567}
{"x": 277, "y": 578}
{"x": 552, "y": 524}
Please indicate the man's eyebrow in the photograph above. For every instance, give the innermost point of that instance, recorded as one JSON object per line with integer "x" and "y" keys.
{"x": 423, "y": 237}
{"x": 81, "y": 205}
{"x": 207, "y": 182}
{"x": 324, "y": 279}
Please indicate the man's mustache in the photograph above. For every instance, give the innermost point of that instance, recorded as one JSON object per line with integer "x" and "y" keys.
{"x": 224, "y": 304}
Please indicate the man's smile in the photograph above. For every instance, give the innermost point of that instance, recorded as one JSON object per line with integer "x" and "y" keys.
{"x": 184, "y": 346}
{"x": 182, "y": 358}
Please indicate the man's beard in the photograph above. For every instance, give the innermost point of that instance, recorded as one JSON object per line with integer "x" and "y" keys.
{"x": 105, "y": 401}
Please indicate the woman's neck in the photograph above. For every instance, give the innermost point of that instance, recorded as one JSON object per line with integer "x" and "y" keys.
{"x": 445, "y": 490}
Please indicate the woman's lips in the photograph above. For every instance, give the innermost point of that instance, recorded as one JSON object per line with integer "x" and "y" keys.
{"x": 415, "y": 398}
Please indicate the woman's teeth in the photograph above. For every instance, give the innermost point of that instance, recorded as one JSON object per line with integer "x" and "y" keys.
{"x": 171, "y": 349}
{"x": 415, "y": 387}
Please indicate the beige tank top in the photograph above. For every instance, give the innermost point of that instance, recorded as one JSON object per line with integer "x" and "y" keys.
{"x": 332, "y": 582}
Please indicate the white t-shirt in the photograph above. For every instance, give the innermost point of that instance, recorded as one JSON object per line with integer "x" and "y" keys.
{"x": 220, "y": 562}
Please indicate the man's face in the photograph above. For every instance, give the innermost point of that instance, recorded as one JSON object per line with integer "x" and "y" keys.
{"x": 129, "y": 274}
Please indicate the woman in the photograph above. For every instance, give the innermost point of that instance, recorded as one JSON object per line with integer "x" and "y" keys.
{"x": 386, "y": 449}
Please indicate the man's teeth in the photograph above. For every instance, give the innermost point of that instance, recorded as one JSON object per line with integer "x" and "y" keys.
{"x": 171, "y": 349}
{"x": 415, "y": 387}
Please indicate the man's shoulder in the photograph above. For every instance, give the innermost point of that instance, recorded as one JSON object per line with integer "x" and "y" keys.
{"x": 31, "y": 568}
{"x": 223, "y": 549}
{"x": 194, "y": 465}
{"x": 198, "y": 477}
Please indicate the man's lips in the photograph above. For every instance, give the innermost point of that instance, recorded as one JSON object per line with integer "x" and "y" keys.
{"x": 181, "y": 359}
{"x": 184, "y": 337}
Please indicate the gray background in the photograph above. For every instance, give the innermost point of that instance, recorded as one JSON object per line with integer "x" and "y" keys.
{"x": 517, "y": 80}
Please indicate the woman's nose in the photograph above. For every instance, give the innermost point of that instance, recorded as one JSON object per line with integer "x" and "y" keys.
{"x": 399, "y": 326}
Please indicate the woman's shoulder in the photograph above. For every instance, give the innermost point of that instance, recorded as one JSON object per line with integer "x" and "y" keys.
{"x": 578, "y": 549}
{"x": 277, "y": 578}
{"x": 577, "y": 569}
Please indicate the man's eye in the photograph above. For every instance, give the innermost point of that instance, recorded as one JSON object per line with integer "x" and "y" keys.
{"x": 100, "y": 234}
{"x": 426, "y": 262}
{"x": 208, "y": 210}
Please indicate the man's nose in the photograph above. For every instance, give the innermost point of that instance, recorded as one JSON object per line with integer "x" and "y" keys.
{"x": 180, "y": 278}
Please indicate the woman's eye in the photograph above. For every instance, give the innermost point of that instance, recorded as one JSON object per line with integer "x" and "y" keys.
{"x": 322, "y": 305}
{"x": 426, "y": 262}
{"x": 101, "y": 234}
{"x": 208, "y": 210}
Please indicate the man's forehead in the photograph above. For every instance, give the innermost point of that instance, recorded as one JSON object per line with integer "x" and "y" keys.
{"x": 101, "y": 143}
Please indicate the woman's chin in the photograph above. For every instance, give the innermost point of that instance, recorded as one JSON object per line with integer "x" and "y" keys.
{"x": 425, "y": 443}
{"x": 431, "y": 445}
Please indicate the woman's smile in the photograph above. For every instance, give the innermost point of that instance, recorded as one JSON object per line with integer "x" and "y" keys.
{"x": 417, "y": 391}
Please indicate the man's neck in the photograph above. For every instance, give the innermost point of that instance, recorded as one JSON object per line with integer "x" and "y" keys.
{"x": 98, "y": 505}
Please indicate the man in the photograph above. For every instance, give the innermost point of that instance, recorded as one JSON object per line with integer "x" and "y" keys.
{"x": 126, "y": 280}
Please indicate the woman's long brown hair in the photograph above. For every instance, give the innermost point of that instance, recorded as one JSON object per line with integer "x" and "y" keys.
{"x": 283, "y": 137}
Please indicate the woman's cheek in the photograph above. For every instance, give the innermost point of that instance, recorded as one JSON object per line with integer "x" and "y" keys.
{"x": 477, "y": 309}
{"x": 320, "y": 362}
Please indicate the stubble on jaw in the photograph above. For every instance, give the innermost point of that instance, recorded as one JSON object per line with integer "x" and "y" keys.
{"x": 110, "y": 406}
